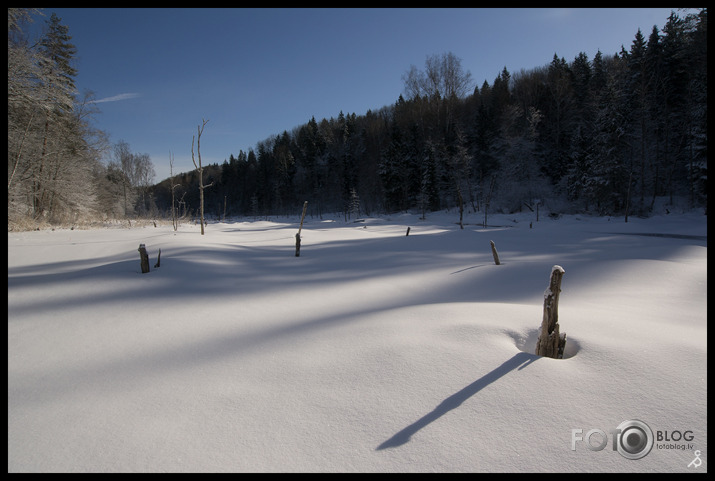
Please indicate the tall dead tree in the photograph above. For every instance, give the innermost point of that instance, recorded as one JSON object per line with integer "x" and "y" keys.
{"x": 550, "y": 343}
{"x": 200, "y": 170}
{"x": 174, "y": 217}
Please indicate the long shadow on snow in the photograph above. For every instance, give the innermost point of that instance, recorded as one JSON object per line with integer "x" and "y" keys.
{"x": 519, "y": 361}
{"x": 242, "y": 271}
{"x": 228, "y": 270}
{"x": 457, "y": 272}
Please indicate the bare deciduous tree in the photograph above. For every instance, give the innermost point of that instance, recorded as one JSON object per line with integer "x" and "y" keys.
{"x": 144, "y": 179}
{"x": 137, "y": 175}
{"x": 200, "y": 169}
{"x": 174, "y": 218}
{"x": 443, "y": 77}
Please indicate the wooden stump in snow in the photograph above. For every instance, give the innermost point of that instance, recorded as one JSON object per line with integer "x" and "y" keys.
{"x": 297, "y": 236}
{"x": 494, "y": 253}
{"x": 158, "y": 260}
{"x": 144, "y": 258}
{"x": 550, "y": 342}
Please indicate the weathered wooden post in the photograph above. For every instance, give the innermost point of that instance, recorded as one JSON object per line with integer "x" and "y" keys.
{"x": 297, "y": 244}
{"x": 408, "y": 232}
{"x": 494, "y": 253}
{"x": 297, "y": 236}
{"x": 305, "y": 207}
{"x": 144, "y": 258}
{"x": 550, "y": 343}
{"x": 158, "y": 260}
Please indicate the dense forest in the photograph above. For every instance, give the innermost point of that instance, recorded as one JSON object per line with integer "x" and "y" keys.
{"x": 607, "y": 136}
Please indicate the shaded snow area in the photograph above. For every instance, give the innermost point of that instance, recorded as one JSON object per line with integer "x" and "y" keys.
{"x": 373, "y": 351}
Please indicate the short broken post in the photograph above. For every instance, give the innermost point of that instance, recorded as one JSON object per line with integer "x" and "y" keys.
{"x": 494, "y": 253}
{"x": 158, "y": 260}
{"x": 144, "y": 258}
{"x": 550, "y": 343}
{"x": 408, "y": 232}
{"x": 297, "y": 236}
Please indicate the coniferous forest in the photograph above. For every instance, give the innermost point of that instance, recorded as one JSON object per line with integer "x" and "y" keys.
{"x": 606, "y": 135}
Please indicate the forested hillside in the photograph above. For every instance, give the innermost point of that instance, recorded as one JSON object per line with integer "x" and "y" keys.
{"x": 607, "y": 135}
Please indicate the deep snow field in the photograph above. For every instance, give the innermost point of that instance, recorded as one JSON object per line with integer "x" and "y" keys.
{"x": 373, "y": 351}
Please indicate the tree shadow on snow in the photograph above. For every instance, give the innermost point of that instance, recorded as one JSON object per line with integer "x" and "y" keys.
{"x": 519, "y": 361}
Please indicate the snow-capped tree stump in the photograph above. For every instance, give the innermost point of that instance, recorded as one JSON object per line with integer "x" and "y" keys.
{"x": 550, "y": 343}
{"x": 494, "y": 253}
{"x": 144, "y": 258}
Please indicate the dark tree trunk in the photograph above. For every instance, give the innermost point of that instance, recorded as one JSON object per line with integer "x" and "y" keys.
{"x": 144, "y": 258}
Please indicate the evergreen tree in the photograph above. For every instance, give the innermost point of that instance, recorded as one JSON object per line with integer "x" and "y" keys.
{"x": 57, "y": 54}
{"x": 557, "y": 118}
{"x": 607, "y": 168}
{"x": 284, "y": 172}
{"x": 428, "y": 197}
{"x": 675, "y": 80}
{"x": 393, "y": 169}
{"x": 598, "y": 79}
{"x": 581, "y": 68}
{"x": 350, "y": 154}
{"x": 484, "y": 142}
{"x": 637, "y": 87}
{"x": 697, "y": 143}
{"x": 458, "y": 163}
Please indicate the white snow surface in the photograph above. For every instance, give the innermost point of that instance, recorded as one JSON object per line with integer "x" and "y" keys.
{"x": 371, "y": 352}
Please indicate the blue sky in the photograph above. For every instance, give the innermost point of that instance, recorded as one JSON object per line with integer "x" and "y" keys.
{"x": 253, "y": 73}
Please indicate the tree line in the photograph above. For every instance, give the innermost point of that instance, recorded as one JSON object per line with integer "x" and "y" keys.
{"x": 607, "y": 135}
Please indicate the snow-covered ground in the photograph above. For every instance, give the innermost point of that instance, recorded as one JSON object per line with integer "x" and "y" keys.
{"x": 372, "y": 351}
